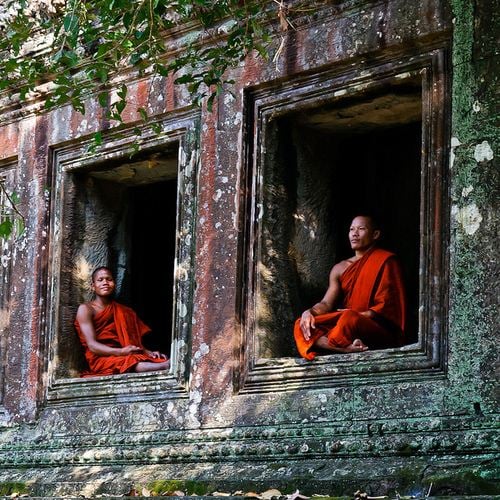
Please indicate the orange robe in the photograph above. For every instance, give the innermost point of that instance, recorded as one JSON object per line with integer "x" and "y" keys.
{"x": 115, "y": 326}
{"x": 373, "y": 282}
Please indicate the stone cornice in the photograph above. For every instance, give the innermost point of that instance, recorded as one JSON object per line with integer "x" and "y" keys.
{"x": 435, "y": 436}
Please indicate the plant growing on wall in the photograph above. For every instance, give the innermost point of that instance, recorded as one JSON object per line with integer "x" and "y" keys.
{"x": 79, "y": 46}
{"x": 64, "y": 50}
{"x": 10, "y": 217}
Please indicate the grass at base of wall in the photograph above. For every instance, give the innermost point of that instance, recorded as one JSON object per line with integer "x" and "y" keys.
{"x": 8, "y": 488}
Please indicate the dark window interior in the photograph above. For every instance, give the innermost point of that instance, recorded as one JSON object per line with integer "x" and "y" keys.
{"x": 324, "y": 165}
{"x": 153, "y": 218}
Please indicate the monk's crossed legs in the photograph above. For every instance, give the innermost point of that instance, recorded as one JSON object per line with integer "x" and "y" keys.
{"x": 355, "y": 333}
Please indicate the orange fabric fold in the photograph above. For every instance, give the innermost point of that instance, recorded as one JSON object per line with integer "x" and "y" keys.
{"x": 373, "y": 282}
{"x": 115, "y": 326}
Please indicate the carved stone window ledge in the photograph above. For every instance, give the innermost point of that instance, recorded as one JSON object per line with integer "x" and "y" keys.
{"x": 388, "y": 365}
{"x": 127, "y": 386}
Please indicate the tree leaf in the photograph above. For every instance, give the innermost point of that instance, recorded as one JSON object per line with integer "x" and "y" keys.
{"x": 103, "y": 98}
{"x": 98, "y": 138}
{"x": 20, "y": 227}
{"x": 122, "y": 93}
{"x": 69, "y": 22}
{"x": 6, "y": 228}
{"x": 184, "y": 79}
{"x": 156, "y": 128}
{"x": 210, "y": 102}
{"x": 120, "y": 106}
{"x": 93, "y": 39}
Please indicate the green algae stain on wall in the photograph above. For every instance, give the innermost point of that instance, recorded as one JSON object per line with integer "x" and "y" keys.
{"x": 473, "y": 188}
{"x": 13, "y": 489}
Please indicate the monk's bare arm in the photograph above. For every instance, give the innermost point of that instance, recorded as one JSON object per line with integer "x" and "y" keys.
{"x": 84, "y": 318}
{"x": 326, "y": 304}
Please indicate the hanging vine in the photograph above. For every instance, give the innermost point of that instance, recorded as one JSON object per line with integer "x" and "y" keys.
{"x": 74, "y": 48}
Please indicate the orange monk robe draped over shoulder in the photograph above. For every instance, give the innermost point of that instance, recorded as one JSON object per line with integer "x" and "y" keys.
{"x": 115, "y": 326}
{"x": 373, "y": 282}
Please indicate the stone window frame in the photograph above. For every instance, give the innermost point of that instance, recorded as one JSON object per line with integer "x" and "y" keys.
{"x": 419, "y": 361}
{"x": 8, "y": 171}
{"x": 182, "y": 128}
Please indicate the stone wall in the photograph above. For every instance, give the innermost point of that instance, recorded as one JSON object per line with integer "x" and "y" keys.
{"x": 238, "y": 409}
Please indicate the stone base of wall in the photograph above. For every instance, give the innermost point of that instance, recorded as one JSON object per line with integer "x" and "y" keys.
{"x": 410, "y": 477}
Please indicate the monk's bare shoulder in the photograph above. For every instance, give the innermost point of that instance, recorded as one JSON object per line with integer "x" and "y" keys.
{"x": 85, "y": 311}
{"x": 340, "y": 267}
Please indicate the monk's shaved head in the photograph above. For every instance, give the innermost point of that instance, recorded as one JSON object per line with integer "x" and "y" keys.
{"x": 101, "y": 268}
{"x": 372, "y": 220}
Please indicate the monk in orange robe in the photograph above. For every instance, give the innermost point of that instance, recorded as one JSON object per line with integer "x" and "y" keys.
{"x": 111, "y": 333}
{"x": 369, "y": 289}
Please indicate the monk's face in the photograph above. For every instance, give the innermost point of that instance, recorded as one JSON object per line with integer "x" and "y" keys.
{"x": 361, "y": 233}
{"x": 103, "y": 283}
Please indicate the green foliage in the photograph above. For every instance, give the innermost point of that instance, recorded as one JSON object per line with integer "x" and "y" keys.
{"x": 80, "y": 45}
{"x": 11, "y": 220}
{"x": 12, "y": 488}
{"x": 167, "y": 487}
{"x": 78, "y": 48}
{"x": 467, "y": 482}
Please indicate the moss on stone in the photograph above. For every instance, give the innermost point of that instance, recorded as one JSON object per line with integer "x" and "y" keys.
{"x": 463, "y": 81}
{"x": 463, "y": 483}
{"x": 9, "y": 488}
{"x": 162, "y": 487}
{"x": 407, "y": 478}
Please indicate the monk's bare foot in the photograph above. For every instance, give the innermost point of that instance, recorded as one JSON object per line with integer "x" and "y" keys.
{"x": 349, "y": 348}
{"x": 356, "y": 346}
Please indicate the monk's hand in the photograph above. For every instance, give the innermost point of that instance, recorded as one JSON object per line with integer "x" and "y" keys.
{"x": 307, "y": 322}
{"x": 155, "y": 354}
{"x": 130, "y": 349}
{"x": 369, "y": 314}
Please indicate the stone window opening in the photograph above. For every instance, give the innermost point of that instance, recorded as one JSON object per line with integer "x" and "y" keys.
{"x": 129, "y": 204}
{"x": 322, "y": 149}
{"x": 7, "y": 253}
{"x": 117, "y": 206}
{"x": 124, "y": 217}
{"x": 331, "y": 162}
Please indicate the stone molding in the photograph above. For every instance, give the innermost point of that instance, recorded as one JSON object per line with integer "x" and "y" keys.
{"x": 426, "y": 358}
{"x": 180, "y": 127}
{"x": 135, "y": 387}
{"x": 431, "y": 436}
{"x": 8, "y": 175}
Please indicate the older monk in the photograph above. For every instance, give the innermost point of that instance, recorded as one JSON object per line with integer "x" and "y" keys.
{"x": 364, "y": 306}
{"x": 111, "y": 333}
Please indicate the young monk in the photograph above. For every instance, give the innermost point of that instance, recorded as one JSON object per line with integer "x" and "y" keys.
{"x": 111, "y": 333}
{"x": 364, "y": 306}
